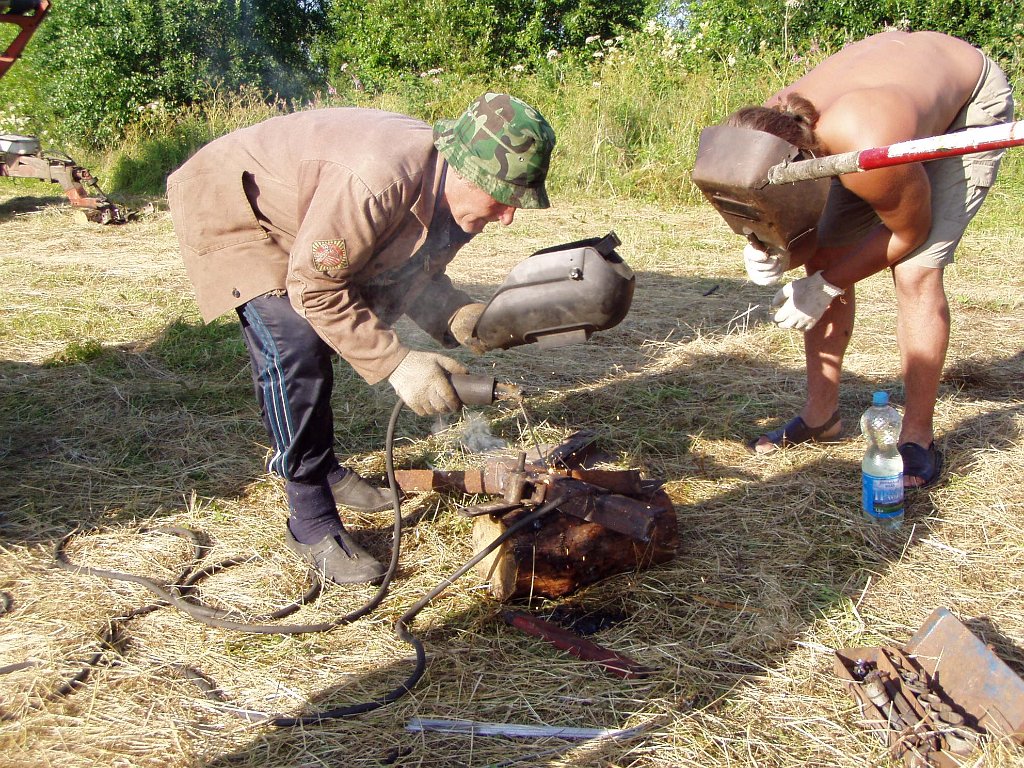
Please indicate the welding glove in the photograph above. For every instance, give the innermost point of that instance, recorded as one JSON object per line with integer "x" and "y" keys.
{"x": 463, "y": 324}
{"x": 801, "y": 303}
{"x": 421, "y": 380}
{"x": 764, "y": 267}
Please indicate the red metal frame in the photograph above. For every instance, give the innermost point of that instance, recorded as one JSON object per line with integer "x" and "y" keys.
{"x": 28, "y": 26}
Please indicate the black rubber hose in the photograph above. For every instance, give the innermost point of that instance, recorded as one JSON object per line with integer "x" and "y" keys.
{"x": 401, "y": 626}
{"x": 220, "y": 618}
{"x": 178, "y": 596}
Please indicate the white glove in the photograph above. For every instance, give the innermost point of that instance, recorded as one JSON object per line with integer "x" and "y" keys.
{"x": 463, "y": 324}
{"x": 801, "y": 303}
{"x": 764, "y": 268}
{"x": 421, "y": 380}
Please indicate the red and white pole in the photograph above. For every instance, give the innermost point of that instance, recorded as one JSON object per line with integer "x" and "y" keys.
{"x": 914, "y": 151}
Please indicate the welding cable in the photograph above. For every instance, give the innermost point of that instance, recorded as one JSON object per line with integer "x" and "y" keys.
{"x": 401, "y": 626}
{"x": 402, "y": 630}
{"x": 109, "y": 640}
{"x": 178, "y": 596}
{"x": 179, "y": 592}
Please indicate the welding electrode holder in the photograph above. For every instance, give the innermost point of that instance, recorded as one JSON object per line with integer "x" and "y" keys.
{"x": 478, "y": 389}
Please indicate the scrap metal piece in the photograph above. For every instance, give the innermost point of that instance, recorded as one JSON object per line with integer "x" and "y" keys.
{"x": 513, "y": 730}
{"x": 970, "y": 674}
{"x": 16, "y": 13}
{"x": 616, "y": 499}
{"x": 23, "y": 157}
{"x": 616, "y": 663}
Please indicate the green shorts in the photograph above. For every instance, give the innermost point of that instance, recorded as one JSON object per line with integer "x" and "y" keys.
{"x": 959, "y": 184}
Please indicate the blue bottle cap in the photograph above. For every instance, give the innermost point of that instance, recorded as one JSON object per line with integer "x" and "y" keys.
{"x": 880, "y": 398}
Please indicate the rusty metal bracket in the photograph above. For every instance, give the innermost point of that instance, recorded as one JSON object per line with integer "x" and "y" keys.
{"x": 619, "y": 500}
{"x": 27, "y": 24}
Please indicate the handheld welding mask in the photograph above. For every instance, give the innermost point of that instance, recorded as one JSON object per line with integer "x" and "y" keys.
{"x": 731, "y": 170}
{"x": 559, "y": 295}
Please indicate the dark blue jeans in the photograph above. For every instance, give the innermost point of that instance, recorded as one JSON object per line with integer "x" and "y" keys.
{"x": 293, "y": 375}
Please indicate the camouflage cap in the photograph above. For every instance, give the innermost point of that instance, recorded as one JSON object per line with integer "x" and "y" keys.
{"x": 503, "y": 145}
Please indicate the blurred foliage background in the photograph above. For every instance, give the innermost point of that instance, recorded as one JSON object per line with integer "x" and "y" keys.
{"x": 132, "y": 87}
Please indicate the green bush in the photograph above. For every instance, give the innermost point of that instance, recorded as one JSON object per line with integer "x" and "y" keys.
{"x": 98, "y": 65}
{"x": 627, "y": 113}
{"x": 162, "y": 140}
{"x": 381, "y": 41}
{"x": 722, "y": 29}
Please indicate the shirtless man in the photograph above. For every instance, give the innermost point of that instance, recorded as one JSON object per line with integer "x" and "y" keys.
{"x": 888, "y": 88}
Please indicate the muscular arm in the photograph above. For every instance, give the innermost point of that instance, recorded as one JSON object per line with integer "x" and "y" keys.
{"x": 902, "y": 198}
{"x": 900, "y": 195}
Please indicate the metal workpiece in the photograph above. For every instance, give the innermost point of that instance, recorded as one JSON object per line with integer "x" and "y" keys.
{"x": 949, "y": 717}
{"x": 875, "y": 689}
{"x": 961, "y": 741}
{"x": 860, "y": 669}
{"x": 916, "y": 687}
{"x": 619, "y": 500}
{"x": 921, "y": 723}
{"x": 934, "y": 700}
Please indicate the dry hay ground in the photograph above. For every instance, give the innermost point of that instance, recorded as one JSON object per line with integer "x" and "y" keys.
{"x": 119, "y": 410}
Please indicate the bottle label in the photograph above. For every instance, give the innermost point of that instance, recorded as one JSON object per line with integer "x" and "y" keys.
{"x": 882, "y": 497}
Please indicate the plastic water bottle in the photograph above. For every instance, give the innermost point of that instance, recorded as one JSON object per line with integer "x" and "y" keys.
{"x": 882, "y": 468}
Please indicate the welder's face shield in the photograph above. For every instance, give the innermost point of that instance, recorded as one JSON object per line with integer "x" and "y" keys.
{"x": 732, "y": 171}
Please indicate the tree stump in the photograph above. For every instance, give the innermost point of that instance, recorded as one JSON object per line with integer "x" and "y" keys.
{"x": 563, "y": 553}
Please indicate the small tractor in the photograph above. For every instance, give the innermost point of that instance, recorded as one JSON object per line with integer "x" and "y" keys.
{"x": 23, "y": 156}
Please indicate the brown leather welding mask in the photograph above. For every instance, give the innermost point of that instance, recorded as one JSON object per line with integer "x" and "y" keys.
{"x": 732, "y": 171}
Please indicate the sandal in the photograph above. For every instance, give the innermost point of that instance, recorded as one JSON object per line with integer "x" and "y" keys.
{"x": 923, "y": 463}
{"x": 794, "y": 432}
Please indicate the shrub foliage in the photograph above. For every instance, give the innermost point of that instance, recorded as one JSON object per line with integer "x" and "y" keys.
{"x": 627, "y": 84}
{"x": 722, "y": 28}
{"x": 100, "y": 64}
{"x": 376, "y": 40}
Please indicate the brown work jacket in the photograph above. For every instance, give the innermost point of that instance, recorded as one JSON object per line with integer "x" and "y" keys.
{"x": 335, "y": 207}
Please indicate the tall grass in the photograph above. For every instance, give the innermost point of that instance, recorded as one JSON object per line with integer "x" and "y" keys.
{"x": 627, "y": 120}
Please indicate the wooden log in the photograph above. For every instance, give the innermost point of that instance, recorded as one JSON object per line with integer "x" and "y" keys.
{"x": 564, "y": 553}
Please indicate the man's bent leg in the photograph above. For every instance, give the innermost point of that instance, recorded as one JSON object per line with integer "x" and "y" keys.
{"x": 824, "y": 347}
{"x": 293, "y": 377}
{"x": 922, "y": 331}
{"x": 293, "y": 374}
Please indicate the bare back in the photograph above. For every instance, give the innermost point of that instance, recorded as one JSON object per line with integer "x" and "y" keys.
{"x": 889, "y": 87}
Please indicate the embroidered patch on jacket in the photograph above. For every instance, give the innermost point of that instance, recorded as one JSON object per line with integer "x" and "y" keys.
{"x": 329, "y": 254}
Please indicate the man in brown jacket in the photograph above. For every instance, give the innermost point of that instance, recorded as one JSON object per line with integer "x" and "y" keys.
{"x": 885, "y": 89}
{"x": 320, "y": 229}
